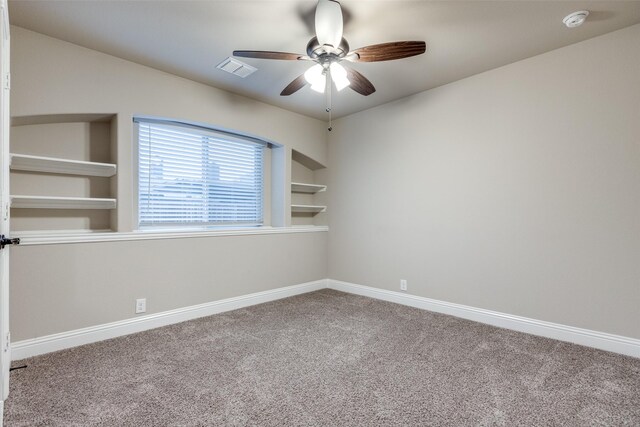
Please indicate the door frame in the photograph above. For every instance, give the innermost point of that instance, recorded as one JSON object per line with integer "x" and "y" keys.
{"x": 5, "y": 117}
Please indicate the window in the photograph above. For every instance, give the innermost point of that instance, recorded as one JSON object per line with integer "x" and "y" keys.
{"x": 194, "y": 176}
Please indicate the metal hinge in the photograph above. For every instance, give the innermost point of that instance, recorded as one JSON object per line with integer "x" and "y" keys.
{"x": 7, "y": 342}
{"x": 7, "y": 81}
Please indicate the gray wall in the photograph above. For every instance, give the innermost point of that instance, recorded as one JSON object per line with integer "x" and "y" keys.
{"x": 50, "y": 76}
{"x": 59, "y": 288}
{"x": 516, "y": 190}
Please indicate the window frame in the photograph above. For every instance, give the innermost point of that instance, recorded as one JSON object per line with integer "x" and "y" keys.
{"x": 204, "y": 226}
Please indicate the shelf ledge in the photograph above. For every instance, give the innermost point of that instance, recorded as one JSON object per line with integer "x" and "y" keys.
{"x": 299, "y": 187}
{"x": 28, "y": 238}
{"x": 25, "y": 162}
{"x": 308, "y": 208}
{"x": 47, "y": 202}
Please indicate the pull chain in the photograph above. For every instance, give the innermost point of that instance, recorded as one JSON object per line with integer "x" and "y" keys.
{"x": 329, "y": 99}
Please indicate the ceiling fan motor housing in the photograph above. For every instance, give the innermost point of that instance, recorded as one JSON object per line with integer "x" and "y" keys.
{"x": 327, "y": 52}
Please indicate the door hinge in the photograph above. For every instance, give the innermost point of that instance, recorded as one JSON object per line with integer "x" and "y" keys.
{"x": 5, "y": 214}
{"x": 7, "y": 81}
{"x": 4, "y": 241}
{"x": 7, "y": 342}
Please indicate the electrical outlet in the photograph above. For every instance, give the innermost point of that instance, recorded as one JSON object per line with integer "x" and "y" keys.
{"x": 403, "y": 285}
{"x": 141, "y": 305}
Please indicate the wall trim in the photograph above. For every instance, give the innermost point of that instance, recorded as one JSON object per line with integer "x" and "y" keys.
{"x": 586, "y": 337}
{"x": 63, "y": 340}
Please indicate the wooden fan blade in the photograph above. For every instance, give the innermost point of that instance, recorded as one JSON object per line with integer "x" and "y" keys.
{"x": 389, "y": 51}
{"x": 359, "y": 83}
{"x": 294, "y": 86}
{"x": 265, "y": 54}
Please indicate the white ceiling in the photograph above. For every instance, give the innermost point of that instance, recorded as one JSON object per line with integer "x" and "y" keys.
{"x": 189, "y": 38}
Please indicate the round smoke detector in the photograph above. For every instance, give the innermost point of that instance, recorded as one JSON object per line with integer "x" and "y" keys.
{"x": 575, "y": 19}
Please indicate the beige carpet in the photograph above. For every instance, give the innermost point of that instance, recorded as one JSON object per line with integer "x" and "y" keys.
{"x": 326, "y": 359}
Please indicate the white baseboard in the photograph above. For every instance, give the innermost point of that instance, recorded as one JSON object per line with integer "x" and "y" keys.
{"x": 55, "y": 342}
{"x": 600, "y": 340}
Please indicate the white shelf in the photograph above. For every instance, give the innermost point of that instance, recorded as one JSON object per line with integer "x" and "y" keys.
{"x": 45, "y": 202}
{"x": 60, "y": 118}
{"x": 26, "y": 162}
{"x": 299, "y": 187}
{"x": 306, "y": 161}
{"x": 308, "y": 208}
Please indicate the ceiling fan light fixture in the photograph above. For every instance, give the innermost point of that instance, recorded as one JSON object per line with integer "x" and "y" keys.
{"x": 339, "y": 76}
{"x": 316, "y": 77}
{"x": 319, "y": 85}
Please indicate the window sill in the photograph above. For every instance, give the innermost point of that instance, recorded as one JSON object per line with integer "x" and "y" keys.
{"x": 42, "y": 238}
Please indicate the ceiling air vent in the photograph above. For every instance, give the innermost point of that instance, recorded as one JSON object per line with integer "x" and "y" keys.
{"x": 237, "y": 68}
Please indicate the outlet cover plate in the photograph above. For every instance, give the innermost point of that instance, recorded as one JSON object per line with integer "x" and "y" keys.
{"x": 141, "y": 305}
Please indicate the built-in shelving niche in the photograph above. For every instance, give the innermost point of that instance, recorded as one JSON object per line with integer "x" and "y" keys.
{"x": 308, "y": 191}
{"x": 63, "y": 172}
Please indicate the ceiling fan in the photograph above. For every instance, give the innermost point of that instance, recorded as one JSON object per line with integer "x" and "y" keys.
{"x": 328, "y": 49}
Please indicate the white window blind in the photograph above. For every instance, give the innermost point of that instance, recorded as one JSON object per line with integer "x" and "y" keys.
{"x": 194, "y": 176}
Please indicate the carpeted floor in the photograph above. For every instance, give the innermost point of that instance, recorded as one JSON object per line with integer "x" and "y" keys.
{"x": 326, "y": 359}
